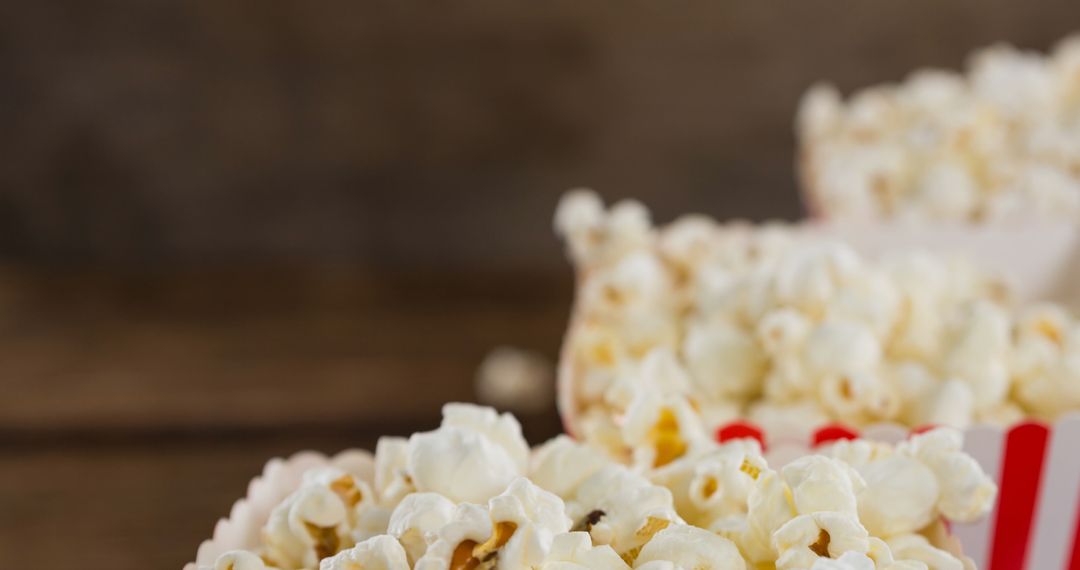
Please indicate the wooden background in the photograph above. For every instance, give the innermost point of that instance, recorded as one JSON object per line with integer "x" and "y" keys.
{"x": 236, "y": 230}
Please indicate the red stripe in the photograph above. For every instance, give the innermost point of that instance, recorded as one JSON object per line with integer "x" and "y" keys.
{"x": 740, "y": 429}
{"x": 833, "y": 432}
{"x": 1021, "y": 472}
{"x": 1075, "y": 560}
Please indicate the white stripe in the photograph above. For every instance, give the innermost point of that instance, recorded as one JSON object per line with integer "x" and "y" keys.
{"x": 886, "y": 433}
{"x": 1058, "y": 497}
{"x": 987, "y": 445}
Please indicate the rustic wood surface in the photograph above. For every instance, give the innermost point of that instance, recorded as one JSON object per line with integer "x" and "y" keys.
{"x": 235, "y": 230}
{"x": 135, "y": 408}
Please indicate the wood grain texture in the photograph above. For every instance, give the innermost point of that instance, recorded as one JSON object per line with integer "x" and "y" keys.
{"x": 271, "y": 348}
{"x": 410, "y": 134}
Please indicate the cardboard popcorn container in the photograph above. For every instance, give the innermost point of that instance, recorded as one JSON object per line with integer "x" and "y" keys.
{"x": 1036, "y": 523}
{"x": 280, "y": 477}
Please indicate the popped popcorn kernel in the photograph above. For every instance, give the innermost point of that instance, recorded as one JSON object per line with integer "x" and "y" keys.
{"x": 994, "y": 145}
{"x": 856, "y": 505}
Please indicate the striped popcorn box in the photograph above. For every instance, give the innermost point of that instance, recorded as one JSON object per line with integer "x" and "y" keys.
{"x": 1036, "y": 523}
{"x": 279, "y": 478}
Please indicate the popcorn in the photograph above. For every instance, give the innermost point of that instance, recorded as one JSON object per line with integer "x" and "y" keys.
{"x": 712, "y": 484}
{"x": 997, "y": 145}
{"x": 575, "y": 551}
{"x": 819, "y": 483}
{"x": 561, "y": 465}
{"x": 724, "y": 358}
{"x": 378, "y": 553}
{"x": 484, "y": 451}
{"x": 900, "y": 496}
{"x": 917, "y": 547}
{"x": 514, "y": 531}
{"x": 967, "y": 493}
{"x": 794, "y": 331}
{"x": 683, "y": 546}
{"x": 621, "y": 508}
{"x": 416, "y": 521}
{"x": 316, "y": 521}
{"x": 805, "y": 539}
{"x": 516, "y": 379}
{"x": 596, "y": 235}
{"x": 859, "y": 505}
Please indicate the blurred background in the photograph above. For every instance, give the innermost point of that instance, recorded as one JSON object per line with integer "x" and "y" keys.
{"x": 230, "y": 230}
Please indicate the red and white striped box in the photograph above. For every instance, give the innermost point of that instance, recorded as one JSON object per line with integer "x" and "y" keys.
{"x": 1036, "y": 522}
{"x": 1035, "y": 526}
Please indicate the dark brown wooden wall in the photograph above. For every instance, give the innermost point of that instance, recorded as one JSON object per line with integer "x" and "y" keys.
{"x": 400, "y": 133}
{"x": 234, "y": 230}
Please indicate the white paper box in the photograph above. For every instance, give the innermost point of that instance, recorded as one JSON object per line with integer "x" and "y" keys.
{"x": 1040, "y": 262}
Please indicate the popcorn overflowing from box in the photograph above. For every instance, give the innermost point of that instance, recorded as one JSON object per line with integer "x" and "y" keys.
{"x": 785, "y": 332}
{"x": 565, "y": 507}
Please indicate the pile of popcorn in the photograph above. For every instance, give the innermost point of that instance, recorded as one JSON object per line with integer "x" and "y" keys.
{"x": 681, "y": 329}
{"x": 472, "y": 495}
{"x": 1000, "y": 144}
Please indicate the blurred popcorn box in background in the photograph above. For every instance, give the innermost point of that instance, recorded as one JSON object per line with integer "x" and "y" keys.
{"x": 643, "y": 294}
{"x": 280, "y": 478}
{"x": 996, "y": 145}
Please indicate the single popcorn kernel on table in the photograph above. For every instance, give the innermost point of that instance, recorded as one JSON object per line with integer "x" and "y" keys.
{"x": 995, "y": 145}
{"x": 792, "y": 330}
{"x": 715, "y": 507}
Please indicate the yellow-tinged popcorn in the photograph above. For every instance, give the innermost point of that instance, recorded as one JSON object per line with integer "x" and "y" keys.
{"x": 688, "y": 547}
{"x": 514, "y": 531}
{"x": 858, "y": 505}
{"x": 621, "y": 508}
{"x": 702, "y": 323}
{"x": 317, "y": 520}
{"x": 998, "y": 144}
{"x": 805, "y": 539}
{"x": 377, "y": 553}
{"x": 416, "y": 521}
{"x": 714, "y": 483}
{"x": 456, "y": 543}
{"x": 769, "y": 507}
